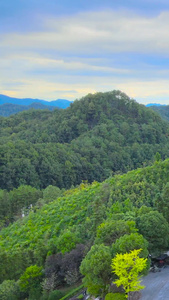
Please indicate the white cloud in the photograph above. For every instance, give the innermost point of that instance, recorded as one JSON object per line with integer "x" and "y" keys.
{"x": 43, "y": 61}
{"x": 95, "y": 32}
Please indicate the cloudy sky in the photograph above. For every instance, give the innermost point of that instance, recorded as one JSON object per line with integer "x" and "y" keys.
{"x": 66, "y": 49}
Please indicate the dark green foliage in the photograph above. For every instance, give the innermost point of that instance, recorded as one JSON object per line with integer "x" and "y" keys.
{"x": 111, "y": 230}
{"x": 8, "y": 109}
{"x": 98, "y": 135}
{"x": 56, "y": 295}
{"x": 162, "y": 110}
{"x": 155, "y": 229}
{"x": 96, "y": 270}
{"x": 17, "y": 203}
{"x": 9, "y": 290}
{"x": 129, "y": 242}
{"x": 72, "y": 293}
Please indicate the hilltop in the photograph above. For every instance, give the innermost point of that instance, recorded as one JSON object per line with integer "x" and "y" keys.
{"x": 95, "y": 136}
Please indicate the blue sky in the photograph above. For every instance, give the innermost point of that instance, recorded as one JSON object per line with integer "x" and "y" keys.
{"x": 67, "y": 49}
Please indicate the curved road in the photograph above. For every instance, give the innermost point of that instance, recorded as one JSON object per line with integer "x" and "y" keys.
{"x": 156, "y": 285}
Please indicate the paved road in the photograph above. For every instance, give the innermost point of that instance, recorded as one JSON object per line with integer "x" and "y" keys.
{"x": 156, "y": 285}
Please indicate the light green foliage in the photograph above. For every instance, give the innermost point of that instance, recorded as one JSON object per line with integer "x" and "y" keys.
{"x": 9, "y": 290}
{"x": 127, "y": 267}
{"x": 111, "y": 230}
{"x": 115, "y": 296}
{"x": 96, "y": 269}
{"x": 130, "y": 242}
{"x": 31, "y": 278}
{"x": 27, "y": 241}
{"x": 67, "y": 241}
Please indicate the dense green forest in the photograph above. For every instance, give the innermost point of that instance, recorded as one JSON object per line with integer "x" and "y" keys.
{"x": 41, "y": 253}
{"x": 96, "y": 136}
{"x": 69, "y": 201}
{"x": 162, "y": 110}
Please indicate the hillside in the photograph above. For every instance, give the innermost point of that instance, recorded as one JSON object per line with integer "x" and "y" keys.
{"x": 95, "y": 136}
{"x": 123, "y": 204}
{"x": 162, "y": 110}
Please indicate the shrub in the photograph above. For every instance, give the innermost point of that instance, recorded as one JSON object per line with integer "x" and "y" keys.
{"x": 115, "y": 296}
{"x": 9, "y": 290}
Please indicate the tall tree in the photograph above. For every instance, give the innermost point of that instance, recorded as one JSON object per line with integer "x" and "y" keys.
{"x": 128, "y": 267}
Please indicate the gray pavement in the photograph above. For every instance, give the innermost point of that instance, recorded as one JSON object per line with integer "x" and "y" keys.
{"x": 156, "y": 285}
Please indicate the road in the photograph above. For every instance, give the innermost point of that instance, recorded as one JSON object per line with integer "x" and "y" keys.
{"x": 156, "y": 285}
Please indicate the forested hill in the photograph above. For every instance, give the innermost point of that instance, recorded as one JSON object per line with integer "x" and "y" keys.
{"x": 95, "y": 136}
{"x": 115, "y": 213}
{"x": 162, "y": 110}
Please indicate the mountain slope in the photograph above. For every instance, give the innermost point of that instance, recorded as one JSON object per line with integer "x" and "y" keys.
{"x": 98, "y": 135}
{"x": 162, "y": 110}
{"x": 76, "y": 216}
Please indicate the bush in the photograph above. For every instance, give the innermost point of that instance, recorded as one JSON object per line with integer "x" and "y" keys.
{"x": 9, "y": 290}
{"x": 115, "y": 296}
{"x": 56, "y": 295}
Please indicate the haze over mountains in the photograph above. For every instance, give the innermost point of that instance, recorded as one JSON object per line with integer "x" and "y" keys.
{"x": 17, "y": 105}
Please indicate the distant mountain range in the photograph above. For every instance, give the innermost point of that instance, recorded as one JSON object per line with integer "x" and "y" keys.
{"x": 162, "y": 110}
{"x": 155, "y": 104}
{"x": 10, "y": 105}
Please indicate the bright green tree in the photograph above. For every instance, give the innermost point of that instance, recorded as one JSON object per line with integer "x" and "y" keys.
{"x": 30, "y": 280}
{"x": 128, "y": 267}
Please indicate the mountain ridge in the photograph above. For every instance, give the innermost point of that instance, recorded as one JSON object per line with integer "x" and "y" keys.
{"x": 62, "y": 103}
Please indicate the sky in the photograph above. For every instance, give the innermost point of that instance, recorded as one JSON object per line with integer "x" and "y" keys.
{"x": 67, "y": 49}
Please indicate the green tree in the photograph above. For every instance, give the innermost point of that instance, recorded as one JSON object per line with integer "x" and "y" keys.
{"x": 97, "y": 270}
{"x": 129, "y": 242}
{"x": 154, "y": 227}
{"x": 9, "y": 290}
{"x": 67, "y": 241}
{"x": 128, "y": 267}
{"x": 30, "y": 280}
{"x": 110, "y": 231}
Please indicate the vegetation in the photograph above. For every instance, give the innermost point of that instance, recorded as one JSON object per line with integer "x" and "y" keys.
{"x": 87, "y": 215}
{"x": 127, "y": 267}
{"x": 162, "y": 110}
{"x": 99, "y": 135}
{"x": 53, "y": 238}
